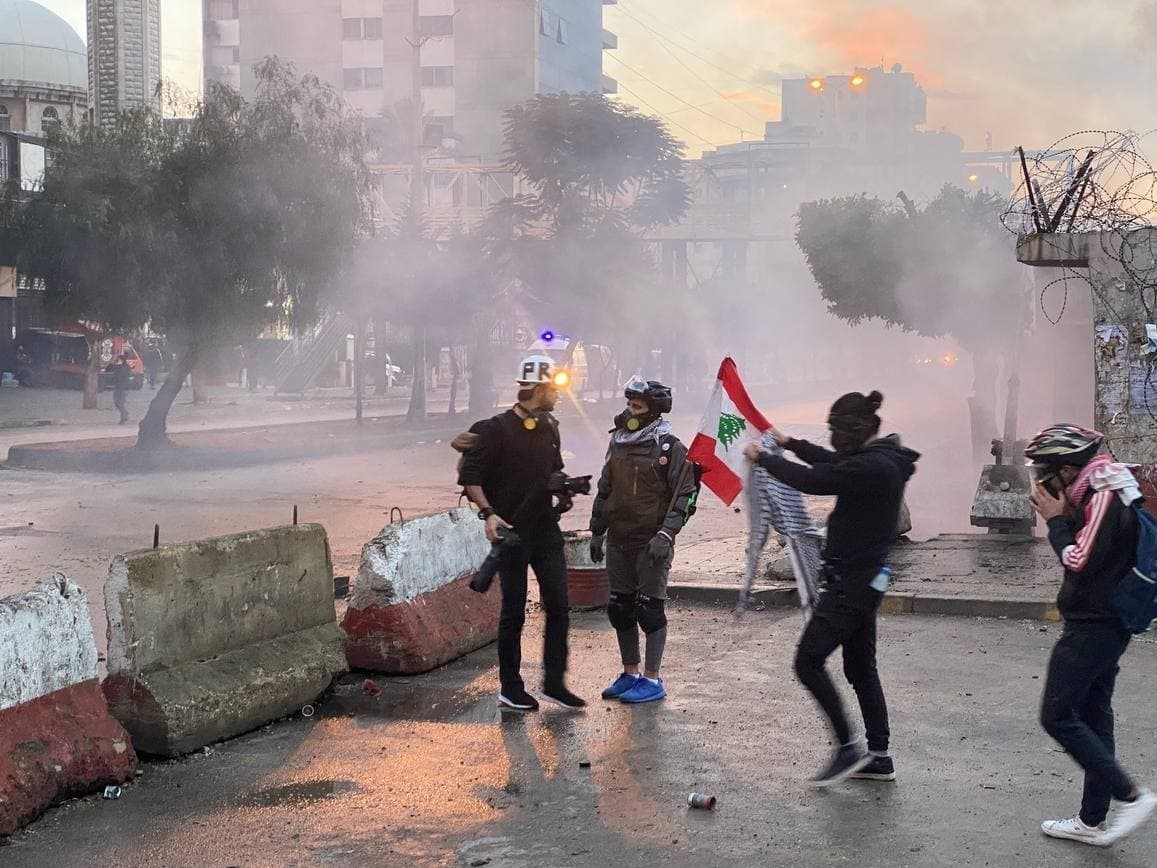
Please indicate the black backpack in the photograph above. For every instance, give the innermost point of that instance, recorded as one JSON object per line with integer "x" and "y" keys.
{"x": 1135, "y": 597}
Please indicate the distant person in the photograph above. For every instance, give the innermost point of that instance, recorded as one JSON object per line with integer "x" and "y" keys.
{"x": 867, "y": 474}
{"x": 645, "y": 494}
{"x": 154, "y": 361}
{"x": 121, "y": 377}
{"x": 1086, "y": 500}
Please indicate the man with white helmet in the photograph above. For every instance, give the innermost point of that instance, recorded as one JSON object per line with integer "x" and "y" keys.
{"x": 507, "y": 472}
{"x": 1087, "y": 500}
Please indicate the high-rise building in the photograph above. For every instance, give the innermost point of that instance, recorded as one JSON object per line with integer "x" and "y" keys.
{"x": 124, "y": 57}
{"x": 478, "y": 57}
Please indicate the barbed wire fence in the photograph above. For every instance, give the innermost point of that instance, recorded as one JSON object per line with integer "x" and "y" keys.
{"x": 1098, "y": 181}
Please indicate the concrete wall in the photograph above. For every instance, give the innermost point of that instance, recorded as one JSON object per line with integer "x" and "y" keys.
{"x": 57, "y": 738}
{"x": 1125, "y": 403}
{"x": 411, "y": 609}
{"x": 212, "y": 638}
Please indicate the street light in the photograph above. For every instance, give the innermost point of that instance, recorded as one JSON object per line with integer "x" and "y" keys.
{"x": 816, "y": 84}
{"x": 857, "y": 80}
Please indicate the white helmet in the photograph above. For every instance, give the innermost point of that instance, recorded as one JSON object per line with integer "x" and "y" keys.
{"x": 535, "y": 369}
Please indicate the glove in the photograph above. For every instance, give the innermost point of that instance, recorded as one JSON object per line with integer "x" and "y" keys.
{"x": 597, "y": 551}
{"x": 659, "y": 548}
{"x": 565, "y": 504}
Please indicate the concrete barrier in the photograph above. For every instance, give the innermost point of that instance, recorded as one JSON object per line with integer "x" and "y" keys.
{"x": 210, "y": 639}
{"x": 412, "y": 609}
{"x": 57, "y": 738}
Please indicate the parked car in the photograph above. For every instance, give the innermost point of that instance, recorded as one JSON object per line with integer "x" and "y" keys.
{"x": 59, "y": 359}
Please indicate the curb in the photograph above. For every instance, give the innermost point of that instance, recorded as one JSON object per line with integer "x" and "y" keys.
{"x": 53, "y": 457}
{"x": 31, "y": 423}
{"x": 892, "y": 604}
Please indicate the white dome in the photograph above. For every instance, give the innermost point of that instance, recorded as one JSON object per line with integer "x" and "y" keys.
{"x": 38, "y": 47}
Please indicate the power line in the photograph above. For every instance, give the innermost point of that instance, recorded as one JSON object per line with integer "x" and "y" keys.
{"x": 665, "y": 117}
{"x": 674, "y": 95}
{"x": 746, "y": 79}
{"x": 695, "y": 75}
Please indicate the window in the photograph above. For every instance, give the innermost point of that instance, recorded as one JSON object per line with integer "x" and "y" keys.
{"x": 351, "y": 28}
{"x": 374, "y": 78}
{"x": 5, "y": 167}
{"x": 437, "y": 25}
{"x": 437, "y": 76}
{"x": 5, "y": 119}
{"x": 353, "y": 79}
{"x": 49, "y": 120}
{"x": 373, "y": 28}
{"x": 437, "y": 128}
{"x": 563, "y": 34}
{"x": 223, "y": 10}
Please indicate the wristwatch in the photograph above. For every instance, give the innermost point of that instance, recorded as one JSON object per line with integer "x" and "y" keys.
{"x": 485, "y": 513}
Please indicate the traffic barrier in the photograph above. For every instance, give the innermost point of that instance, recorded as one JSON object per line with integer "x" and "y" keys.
{"x": 210, "y": 639}
{"x": 411, "y": 609}
{"x": 57, "y": 738}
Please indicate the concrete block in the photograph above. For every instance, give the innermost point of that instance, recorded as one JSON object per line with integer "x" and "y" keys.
{"x": 411, "y": 609}
{"x": 57, "y": 738}
{"x": 213, "y": 638}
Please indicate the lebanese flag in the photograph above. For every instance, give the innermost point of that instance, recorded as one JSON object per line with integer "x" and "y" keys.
{"x": 730, "y": 422}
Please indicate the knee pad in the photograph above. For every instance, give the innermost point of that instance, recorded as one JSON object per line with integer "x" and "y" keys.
{"x": 622, "y": 611}
{"x": 652, "y": 614}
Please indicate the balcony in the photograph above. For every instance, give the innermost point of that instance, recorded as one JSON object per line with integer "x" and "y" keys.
{"x": 610, "y": 86}
{"x": 610, "y": 40}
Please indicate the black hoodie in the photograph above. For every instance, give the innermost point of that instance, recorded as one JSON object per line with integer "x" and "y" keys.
{"x": 869, "y": 486}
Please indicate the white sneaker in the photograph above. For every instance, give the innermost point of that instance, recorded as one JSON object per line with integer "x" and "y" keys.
{"x": 1075, "y": 829}
{"x": 1130, "y": 816}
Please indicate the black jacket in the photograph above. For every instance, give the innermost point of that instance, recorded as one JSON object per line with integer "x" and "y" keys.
{"x": 1096, "y": 546}
{"x": 869, "y": 486}
{"x": 513, "y": 465}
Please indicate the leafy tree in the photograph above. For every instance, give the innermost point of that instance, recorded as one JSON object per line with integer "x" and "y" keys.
{"x": 598, "y": 174}
{"x": 946, "y": 269}
{"x": 210, "y": 229}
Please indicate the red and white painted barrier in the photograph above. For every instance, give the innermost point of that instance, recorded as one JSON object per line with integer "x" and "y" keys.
{"x": 57, "y": 738}
{"x": 411, "y": 609}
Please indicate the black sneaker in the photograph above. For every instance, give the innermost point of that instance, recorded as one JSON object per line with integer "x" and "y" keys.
{"x": 879, "y": 768}
{"x": 557, "y": 693}
{"x": 518, "y": 699}
{"x": 846, "y": 761}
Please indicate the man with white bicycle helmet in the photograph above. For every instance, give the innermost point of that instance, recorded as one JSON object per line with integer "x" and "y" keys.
{"x": 1086, "y": 499}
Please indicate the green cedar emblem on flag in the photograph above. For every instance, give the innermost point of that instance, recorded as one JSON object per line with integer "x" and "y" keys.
{"x": 730, "y": 428}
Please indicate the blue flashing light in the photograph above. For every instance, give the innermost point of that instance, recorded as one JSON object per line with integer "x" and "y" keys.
{"x": 547, "y": 336}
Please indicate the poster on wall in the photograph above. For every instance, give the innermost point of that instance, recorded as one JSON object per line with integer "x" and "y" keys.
{"x": 31, "y": 166}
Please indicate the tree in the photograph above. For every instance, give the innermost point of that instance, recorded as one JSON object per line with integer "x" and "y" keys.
{"x": 946, "y": 269}
{"x": 598, "y": 174}
{"x": 215, "y": 228}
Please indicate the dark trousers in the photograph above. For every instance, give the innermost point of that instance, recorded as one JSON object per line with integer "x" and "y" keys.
{"x": 549, "y": 565}
{"x": 118, "y": 401}
{"x": 845, "y": 617}
{"x": 1077, "y": 709}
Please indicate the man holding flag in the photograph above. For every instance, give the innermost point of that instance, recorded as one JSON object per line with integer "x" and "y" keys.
{"x": 867, "y": 474}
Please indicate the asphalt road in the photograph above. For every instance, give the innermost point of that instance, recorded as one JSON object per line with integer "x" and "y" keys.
{"x": 430, "y": 774}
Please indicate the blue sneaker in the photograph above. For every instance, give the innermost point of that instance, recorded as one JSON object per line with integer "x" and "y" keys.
{"x": 622, "y": 684}
{"x": 645, "y": 690}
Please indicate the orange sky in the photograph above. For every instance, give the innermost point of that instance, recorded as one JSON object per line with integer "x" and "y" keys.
{"x": 1027, "y": 71}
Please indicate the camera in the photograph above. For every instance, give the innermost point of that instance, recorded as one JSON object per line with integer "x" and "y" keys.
{"x": 568, "y": 486}
{"x": 507, "y": 541}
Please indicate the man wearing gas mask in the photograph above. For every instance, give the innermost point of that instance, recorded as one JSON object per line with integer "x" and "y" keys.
{"x": 867, "y": 474}
{"x": 645, "y": 495}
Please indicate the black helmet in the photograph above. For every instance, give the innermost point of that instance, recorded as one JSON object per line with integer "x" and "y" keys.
{"x": 657, "y": 396}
